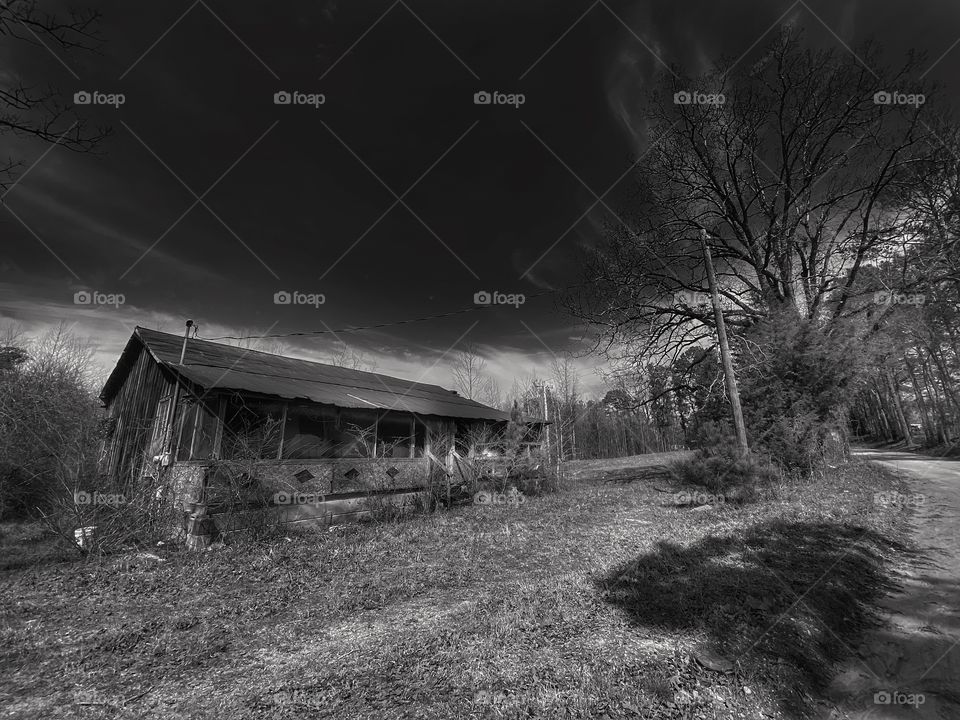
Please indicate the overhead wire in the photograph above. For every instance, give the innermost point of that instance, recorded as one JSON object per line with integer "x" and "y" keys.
{"x": 377, "y": 326}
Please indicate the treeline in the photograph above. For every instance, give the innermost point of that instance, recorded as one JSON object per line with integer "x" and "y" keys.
{"x": 635, "y": 418}
{"x": 914, "y": 394}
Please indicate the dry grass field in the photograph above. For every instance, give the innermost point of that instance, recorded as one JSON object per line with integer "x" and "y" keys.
{"x": 605, "y": 600}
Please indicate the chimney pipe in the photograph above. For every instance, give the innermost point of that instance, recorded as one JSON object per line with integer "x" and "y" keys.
{"x": 186, "y": 334}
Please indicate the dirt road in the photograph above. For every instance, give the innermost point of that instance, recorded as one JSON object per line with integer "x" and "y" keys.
{"x": 912, "y": 667}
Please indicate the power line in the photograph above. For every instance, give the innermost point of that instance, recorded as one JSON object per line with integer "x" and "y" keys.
{"x": 377, "y": 326}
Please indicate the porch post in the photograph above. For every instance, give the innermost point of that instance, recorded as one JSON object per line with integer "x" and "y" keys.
{"x": 283, "y": 431}
{"x": 413, "y": 435}
{"x": 218, "y": 433}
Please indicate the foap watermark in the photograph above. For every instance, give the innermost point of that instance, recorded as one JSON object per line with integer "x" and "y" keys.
{"x": 895, "y": 697}
{"x": 295, "y": 97}
{"x": 687, "y": 97}
{"x": 510, "y": 497}
{"x": 885, "y": 297}
{"x": 897, "y": 499}
{"x": 95, "y": 97}
{"x": 698, "y": 498}
{"x": 895, "y": 97}
{"x": 82, "y": 497}
{"x": 483, "y": 297}
{"x": 691, "y": 298}
{"x": 95, "y": 297}
{"x": 298, "y": 498}
{"x": 498, "y": 98}
{"x": 295, "y": 297}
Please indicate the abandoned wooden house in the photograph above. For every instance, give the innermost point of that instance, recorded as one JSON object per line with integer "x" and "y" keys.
{"x": 311, "y": 440}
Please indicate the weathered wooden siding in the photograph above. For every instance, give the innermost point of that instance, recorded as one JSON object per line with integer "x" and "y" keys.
{"x": 131, "y": 413}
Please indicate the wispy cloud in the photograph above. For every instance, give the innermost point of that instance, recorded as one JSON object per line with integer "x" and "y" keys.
{"x": 91, "y": 233}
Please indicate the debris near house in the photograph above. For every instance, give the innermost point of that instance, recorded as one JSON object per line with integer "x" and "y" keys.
{"x": 85, "y": 536}
{"x": 137, "y": 560}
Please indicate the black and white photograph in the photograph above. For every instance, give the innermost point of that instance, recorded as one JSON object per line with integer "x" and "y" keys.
{"x": 455, "y": 360}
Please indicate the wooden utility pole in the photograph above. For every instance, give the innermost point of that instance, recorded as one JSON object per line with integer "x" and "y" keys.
{"x": 725, "y": 358}
{"x": 546, "y": 427}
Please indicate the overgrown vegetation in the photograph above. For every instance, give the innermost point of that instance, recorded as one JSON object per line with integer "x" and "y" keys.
{"x": 833, "y": 223}
{"x": 51, "y": 434}
{"x": 724, "y": 474}
{"x": 797, "y": 382}
{"x": 50, "y": 425}
{"x": 596, "y": 601}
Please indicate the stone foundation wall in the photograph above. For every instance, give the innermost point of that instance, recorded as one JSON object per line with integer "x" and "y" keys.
{"x": 186, "y": 483}
{"x": 327, "y": 491}
{"x": 344, "y": 475}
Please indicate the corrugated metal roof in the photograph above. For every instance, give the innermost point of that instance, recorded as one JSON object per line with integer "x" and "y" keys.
{"x": 215, "y": 366}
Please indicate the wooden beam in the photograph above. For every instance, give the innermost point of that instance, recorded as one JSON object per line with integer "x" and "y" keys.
{"x": 283, "y": 431}
{"x": 218, "y": 433}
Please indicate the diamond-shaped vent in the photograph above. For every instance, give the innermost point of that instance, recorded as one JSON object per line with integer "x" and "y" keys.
{"x": 352, "y": 474}
{"x": 303, "y": 476}
{"x": 392, "y": 472}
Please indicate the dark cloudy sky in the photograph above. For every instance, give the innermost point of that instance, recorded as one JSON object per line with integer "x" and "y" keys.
{"x": 299, "y": 198}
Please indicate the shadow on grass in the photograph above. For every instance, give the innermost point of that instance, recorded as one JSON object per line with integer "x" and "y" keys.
{"x": 25, "y": 545}
{"x": 784, "y": 600}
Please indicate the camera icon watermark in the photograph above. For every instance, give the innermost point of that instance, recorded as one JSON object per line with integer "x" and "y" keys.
{"x": 688, "y": 97}
{"x": 895, "y": 697}
{"x": 298, "y": 498}
{"x": 895, "y": 97}
{"x": 896, "y": 499}
{"x": 698, "y": 498}
{"x": 95, "y": 97}
{"x": 295, "y": 97}
{"x": 691, "y": 298}
{"x": 884, "y": 297}
{"x": 498, "y": 98}
{"x": 94, "y": 297}
{"x": 295, "y": 297}
{"x": 82, "y": 497}
{"x": 484, "y": 297}
{"x": 510, "y": 497}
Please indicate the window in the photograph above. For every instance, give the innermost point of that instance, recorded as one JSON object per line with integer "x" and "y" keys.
{"x": 394, "y": 435}
{"x": 159, "y": 426}
{"x": 355, "y": 434}
{"x": 465, "y": 437}
{"x": 314, "y": 432}
{"x": 252, "y": 428}
{"x": 420, "y": 436}
{"x": 271, "y": 429}
{"x": 205, "y": 433}
{"x": 188, "y": 419}
{"x": 197, "y": 430}
{"x": 310, "y": 432}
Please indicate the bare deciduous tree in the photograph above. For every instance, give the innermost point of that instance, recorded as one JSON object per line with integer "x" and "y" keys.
{"x": 794, "y": 175}
{"x": 32, "y": 111}
{"x": 349, "y": 357}
{"x": 470, "y": 378}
